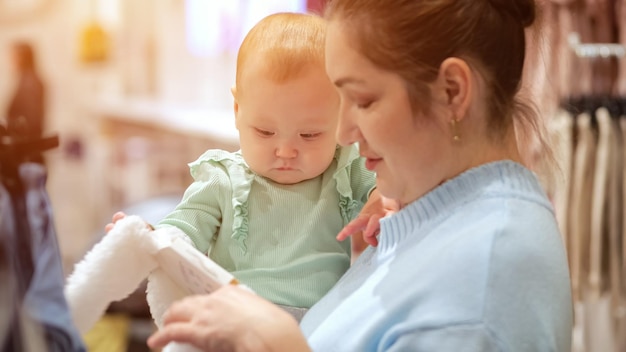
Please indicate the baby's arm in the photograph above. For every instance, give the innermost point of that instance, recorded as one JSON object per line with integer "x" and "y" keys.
{"x": 199, "y": 214}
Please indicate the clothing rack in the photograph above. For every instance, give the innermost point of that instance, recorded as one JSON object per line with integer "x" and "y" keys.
{"x": 595, "y": 50}
{"x": 590, "y": 104}
{"x": 597, "y": 94}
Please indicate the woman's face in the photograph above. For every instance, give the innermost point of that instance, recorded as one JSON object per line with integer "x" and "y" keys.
{"x": 411, "y": 153}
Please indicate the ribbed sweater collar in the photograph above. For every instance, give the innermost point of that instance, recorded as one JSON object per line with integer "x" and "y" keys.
{"x": 497, "y": 178}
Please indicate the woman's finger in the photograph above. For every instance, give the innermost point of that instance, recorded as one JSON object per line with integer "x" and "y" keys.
{"x": 179, "y": 332}
{"x": 180, "y": 311}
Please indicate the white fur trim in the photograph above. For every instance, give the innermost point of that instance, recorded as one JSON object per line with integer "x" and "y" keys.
{"x": 162, "y": 291}
{"x": 115, "y": 267}
{"x": 110, "y": 271}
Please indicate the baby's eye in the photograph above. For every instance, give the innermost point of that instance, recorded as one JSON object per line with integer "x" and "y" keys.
{"x": 310, "y": 135}
{"x": 264, "y": 133}
{"x": 364, "y": 105}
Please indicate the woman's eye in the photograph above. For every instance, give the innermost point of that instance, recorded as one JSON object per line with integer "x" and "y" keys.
{"x": 309, "y": 135}
{"x": 264, "y": 133}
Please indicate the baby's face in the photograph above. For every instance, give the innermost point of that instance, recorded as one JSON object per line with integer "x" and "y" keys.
{"x": 287, "y": 129}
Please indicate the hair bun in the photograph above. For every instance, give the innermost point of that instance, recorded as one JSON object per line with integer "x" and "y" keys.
{"x": 521, "y": 10}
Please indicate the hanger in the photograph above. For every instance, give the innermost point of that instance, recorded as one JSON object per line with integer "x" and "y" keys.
{"x": 595, "y": 50}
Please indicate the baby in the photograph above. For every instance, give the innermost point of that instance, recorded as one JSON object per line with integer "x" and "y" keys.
{"x": 270, "y": 213}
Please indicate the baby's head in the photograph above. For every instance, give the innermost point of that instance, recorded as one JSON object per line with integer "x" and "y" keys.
{"x": 285, "y": 105}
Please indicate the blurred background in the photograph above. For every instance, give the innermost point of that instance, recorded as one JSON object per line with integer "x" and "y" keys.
{"x": 135, "y": 90}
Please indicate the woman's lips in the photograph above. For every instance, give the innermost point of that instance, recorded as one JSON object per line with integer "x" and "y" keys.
{"x": 371, "y": 164}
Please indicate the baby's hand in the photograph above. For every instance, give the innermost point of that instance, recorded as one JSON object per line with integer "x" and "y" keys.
{"x": 376, "y": 208}
{"x": 116, "y": 217}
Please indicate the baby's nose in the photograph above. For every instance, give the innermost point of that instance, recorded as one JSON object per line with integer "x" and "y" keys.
{"x": 286, "y": 151}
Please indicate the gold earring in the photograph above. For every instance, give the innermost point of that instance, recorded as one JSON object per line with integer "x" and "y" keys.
{"x": 455, "y": 130}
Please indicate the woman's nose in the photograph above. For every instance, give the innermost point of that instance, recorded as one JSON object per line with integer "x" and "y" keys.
{"x": 347, "y": 130}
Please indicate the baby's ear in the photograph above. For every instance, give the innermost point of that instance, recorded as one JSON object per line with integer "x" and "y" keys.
{"x": 233, "y": 91}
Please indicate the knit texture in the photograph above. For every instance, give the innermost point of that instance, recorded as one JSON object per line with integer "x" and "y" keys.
{"x": 277, "y": 239}
{"x": 477, "y": 264}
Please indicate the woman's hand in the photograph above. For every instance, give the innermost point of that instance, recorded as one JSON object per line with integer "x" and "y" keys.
{"x": 230, "y": 319}
{"x": 376, "y": 208}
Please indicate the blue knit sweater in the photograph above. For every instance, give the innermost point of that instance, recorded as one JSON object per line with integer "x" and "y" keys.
{"x": 477, "y": 264}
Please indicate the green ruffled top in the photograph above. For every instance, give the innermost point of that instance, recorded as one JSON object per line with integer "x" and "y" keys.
{"x": 277, "y": 239}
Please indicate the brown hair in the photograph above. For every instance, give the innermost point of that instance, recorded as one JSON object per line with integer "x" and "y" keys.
{"x": 286, "y": 43}
{"x": 413, "y": 38}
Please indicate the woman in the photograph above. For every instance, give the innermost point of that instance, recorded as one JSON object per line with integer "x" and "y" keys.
{"x": 473, "y": 261}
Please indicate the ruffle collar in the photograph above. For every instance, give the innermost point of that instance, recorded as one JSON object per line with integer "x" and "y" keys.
{"x": 242, "y": 178}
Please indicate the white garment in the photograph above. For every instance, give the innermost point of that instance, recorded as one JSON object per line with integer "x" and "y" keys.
{"x": 599, "y": 201}
{"x": 600, "y": 334}
{"x": 614, "y": 216}
{"x": 579, "y": 222}
{"x": 620, "y": 311}
{"x": 580, "y": 210}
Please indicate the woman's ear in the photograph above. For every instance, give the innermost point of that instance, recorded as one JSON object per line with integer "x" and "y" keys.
{"x": 455, "y": 80}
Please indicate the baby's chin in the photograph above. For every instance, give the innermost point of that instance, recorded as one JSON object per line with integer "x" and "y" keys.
{"x": 291, "y": 177}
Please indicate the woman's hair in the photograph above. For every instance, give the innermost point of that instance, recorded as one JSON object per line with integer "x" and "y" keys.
{"x": 286, "y": 43}
{"x": 413, "y": 37}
